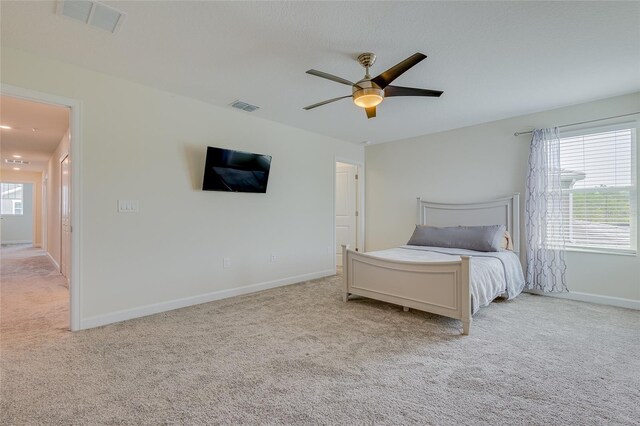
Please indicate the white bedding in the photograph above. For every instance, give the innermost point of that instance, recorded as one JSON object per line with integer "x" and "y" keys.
{"x": 487, "y": 274}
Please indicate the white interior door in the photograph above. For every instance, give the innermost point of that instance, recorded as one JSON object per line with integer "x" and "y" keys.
{"x": 346, "y": 208}
{"x": 65, "y": 219}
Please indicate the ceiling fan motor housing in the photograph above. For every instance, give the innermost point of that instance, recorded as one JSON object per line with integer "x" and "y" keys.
{"x": 367, "y": 94}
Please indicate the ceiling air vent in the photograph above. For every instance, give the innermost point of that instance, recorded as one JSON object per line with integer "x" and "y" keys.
{"x": 244, "y": 106}
{"x": 93, "y": 13}
{"x": 10, "y": 161}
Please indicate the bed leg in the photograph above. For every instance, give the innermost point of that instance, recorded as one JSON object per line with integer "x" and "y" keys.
{"x": 345, "y": 272}
{"x": 466, "y": 295}
{"x": 405, "y": 308}
{"x": 466, "y": 325}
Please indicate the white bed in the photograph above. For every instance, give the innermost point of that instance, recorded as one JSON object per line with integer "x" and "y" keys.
{"x": 439, "y": 280}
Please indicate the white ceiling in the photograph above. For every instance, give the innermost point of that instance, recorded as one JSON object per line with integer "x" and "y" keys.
{"x": 492, "y": 59}
{"x": 51, "y": 123}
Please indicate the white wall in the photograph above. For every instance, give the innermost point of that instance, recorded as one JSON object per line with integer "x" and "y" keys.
{"x": 144, "y": 144}
{"x": 34, "y": 178}
{"x": 477, "y": 163}
{"x": 53, "y": 198}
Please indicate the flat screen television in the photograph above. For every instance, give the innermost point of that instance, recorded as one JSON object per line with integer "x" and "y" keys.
{"x": 235, "y": 171}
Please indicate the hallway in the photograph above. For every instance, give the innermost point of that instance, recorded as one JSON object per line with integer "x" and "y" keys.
{"x": 34, "y": 299}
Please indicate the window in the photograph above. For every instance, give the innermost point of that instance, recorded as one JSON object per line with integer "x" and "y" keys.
{"x": 599, "y": 185}
{"x": 11, "y": 198}
{"x": 17, "y": 207}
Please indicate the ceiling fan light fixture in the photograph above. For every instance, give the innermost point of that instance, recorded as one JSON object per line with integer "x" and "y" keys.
{"x": 368, "y": 97}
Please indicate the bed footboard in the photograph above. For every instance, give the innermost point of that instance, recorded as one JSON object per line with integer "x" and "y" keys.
{"x": 441, "y": 288}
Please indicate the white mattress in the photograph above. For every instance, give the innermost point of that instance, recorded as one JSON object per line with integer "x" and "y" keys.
{"x": 487, "y": 274}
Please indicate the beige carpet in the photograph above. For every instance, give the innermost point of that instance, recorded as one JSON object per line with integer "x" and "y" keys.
{"x": 35, "y": 300}
{"x": 298, "y": 355}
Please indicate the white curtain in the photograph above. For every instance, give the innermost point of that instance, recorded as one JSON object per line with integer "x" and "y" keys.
{"x": 544, "y": 223}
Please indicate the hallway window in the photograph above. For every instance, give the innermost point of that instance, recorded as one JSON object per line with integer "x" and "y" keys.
{"x": 11, "y": 198}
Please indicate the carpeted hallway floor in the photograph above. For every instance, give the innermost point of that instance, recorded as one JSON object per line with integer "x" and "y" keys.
{"x": 298, "y": 355}
{"x": 35, "y": 299}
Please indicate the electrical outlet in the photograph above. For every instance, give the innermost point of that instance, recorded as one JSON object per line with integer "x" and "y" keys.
{"x": 226, "y": 262}
{"x": 274, "y": 257}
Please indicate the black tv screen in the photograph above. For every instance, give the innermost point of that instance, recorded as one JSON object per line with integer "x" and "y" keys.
{"x": 235, "y": 171}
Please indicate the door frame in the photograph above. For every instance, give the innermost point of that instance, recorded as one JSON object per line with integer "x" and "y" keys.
{"x": 75, "y": 168}
{"x": 45, "y": 211}
{"x": 359, "y": 203}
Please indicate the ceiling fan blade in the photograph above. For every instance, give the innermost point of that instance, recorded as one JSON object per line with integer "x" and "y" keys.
{"x": 385, "y": 79}
{"x": 328, "y": 101}
{"x": 371, "y": 112}
{"x": 330, "y": 77}
{"x": 410, "y": 91}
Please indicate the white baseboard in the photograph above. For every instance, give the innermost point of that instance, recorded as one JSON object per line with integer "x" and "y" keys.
{"x": 100, "y": 320}
{"x": 53, "y": 260}
{"x": 593, "y": 298}
{"x": 16, "y": 242}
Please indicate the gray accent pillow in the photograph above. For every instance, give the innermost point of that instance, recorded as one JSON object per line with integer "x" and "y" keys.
{"x": 478, "y": 238}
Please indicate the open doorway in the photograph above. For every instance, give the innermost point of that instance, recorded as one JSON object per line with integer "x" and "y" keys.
{"x": 349, "y": 199}
{"x": 35, "y": 211}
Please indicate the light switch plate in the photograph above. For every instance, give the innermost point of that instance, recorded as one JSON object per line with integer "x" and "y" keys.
{"x": 128, "y": 206}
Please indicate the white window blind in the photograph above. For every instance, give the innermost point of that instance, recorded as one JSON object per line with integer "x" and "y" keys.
{"x": 598, "y": 179}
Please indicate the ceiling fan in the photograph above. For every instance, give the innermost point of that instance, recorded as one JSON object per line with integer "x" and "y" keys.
{"x": 369, "y": 92}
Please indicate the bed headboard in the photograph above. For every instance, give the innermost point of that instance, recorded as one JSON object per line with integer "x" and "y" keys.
{"x": 503, "y": 211}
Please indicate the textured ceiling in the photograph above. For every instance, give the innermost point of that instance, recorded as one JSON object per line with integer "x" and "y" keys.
{"x": 493, "y": 60}
{"x": 49, "y": 121}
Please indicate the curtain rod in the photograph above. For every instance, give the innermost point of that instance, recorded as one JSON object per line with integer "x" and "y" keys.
{"x": 582, "y": 122}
